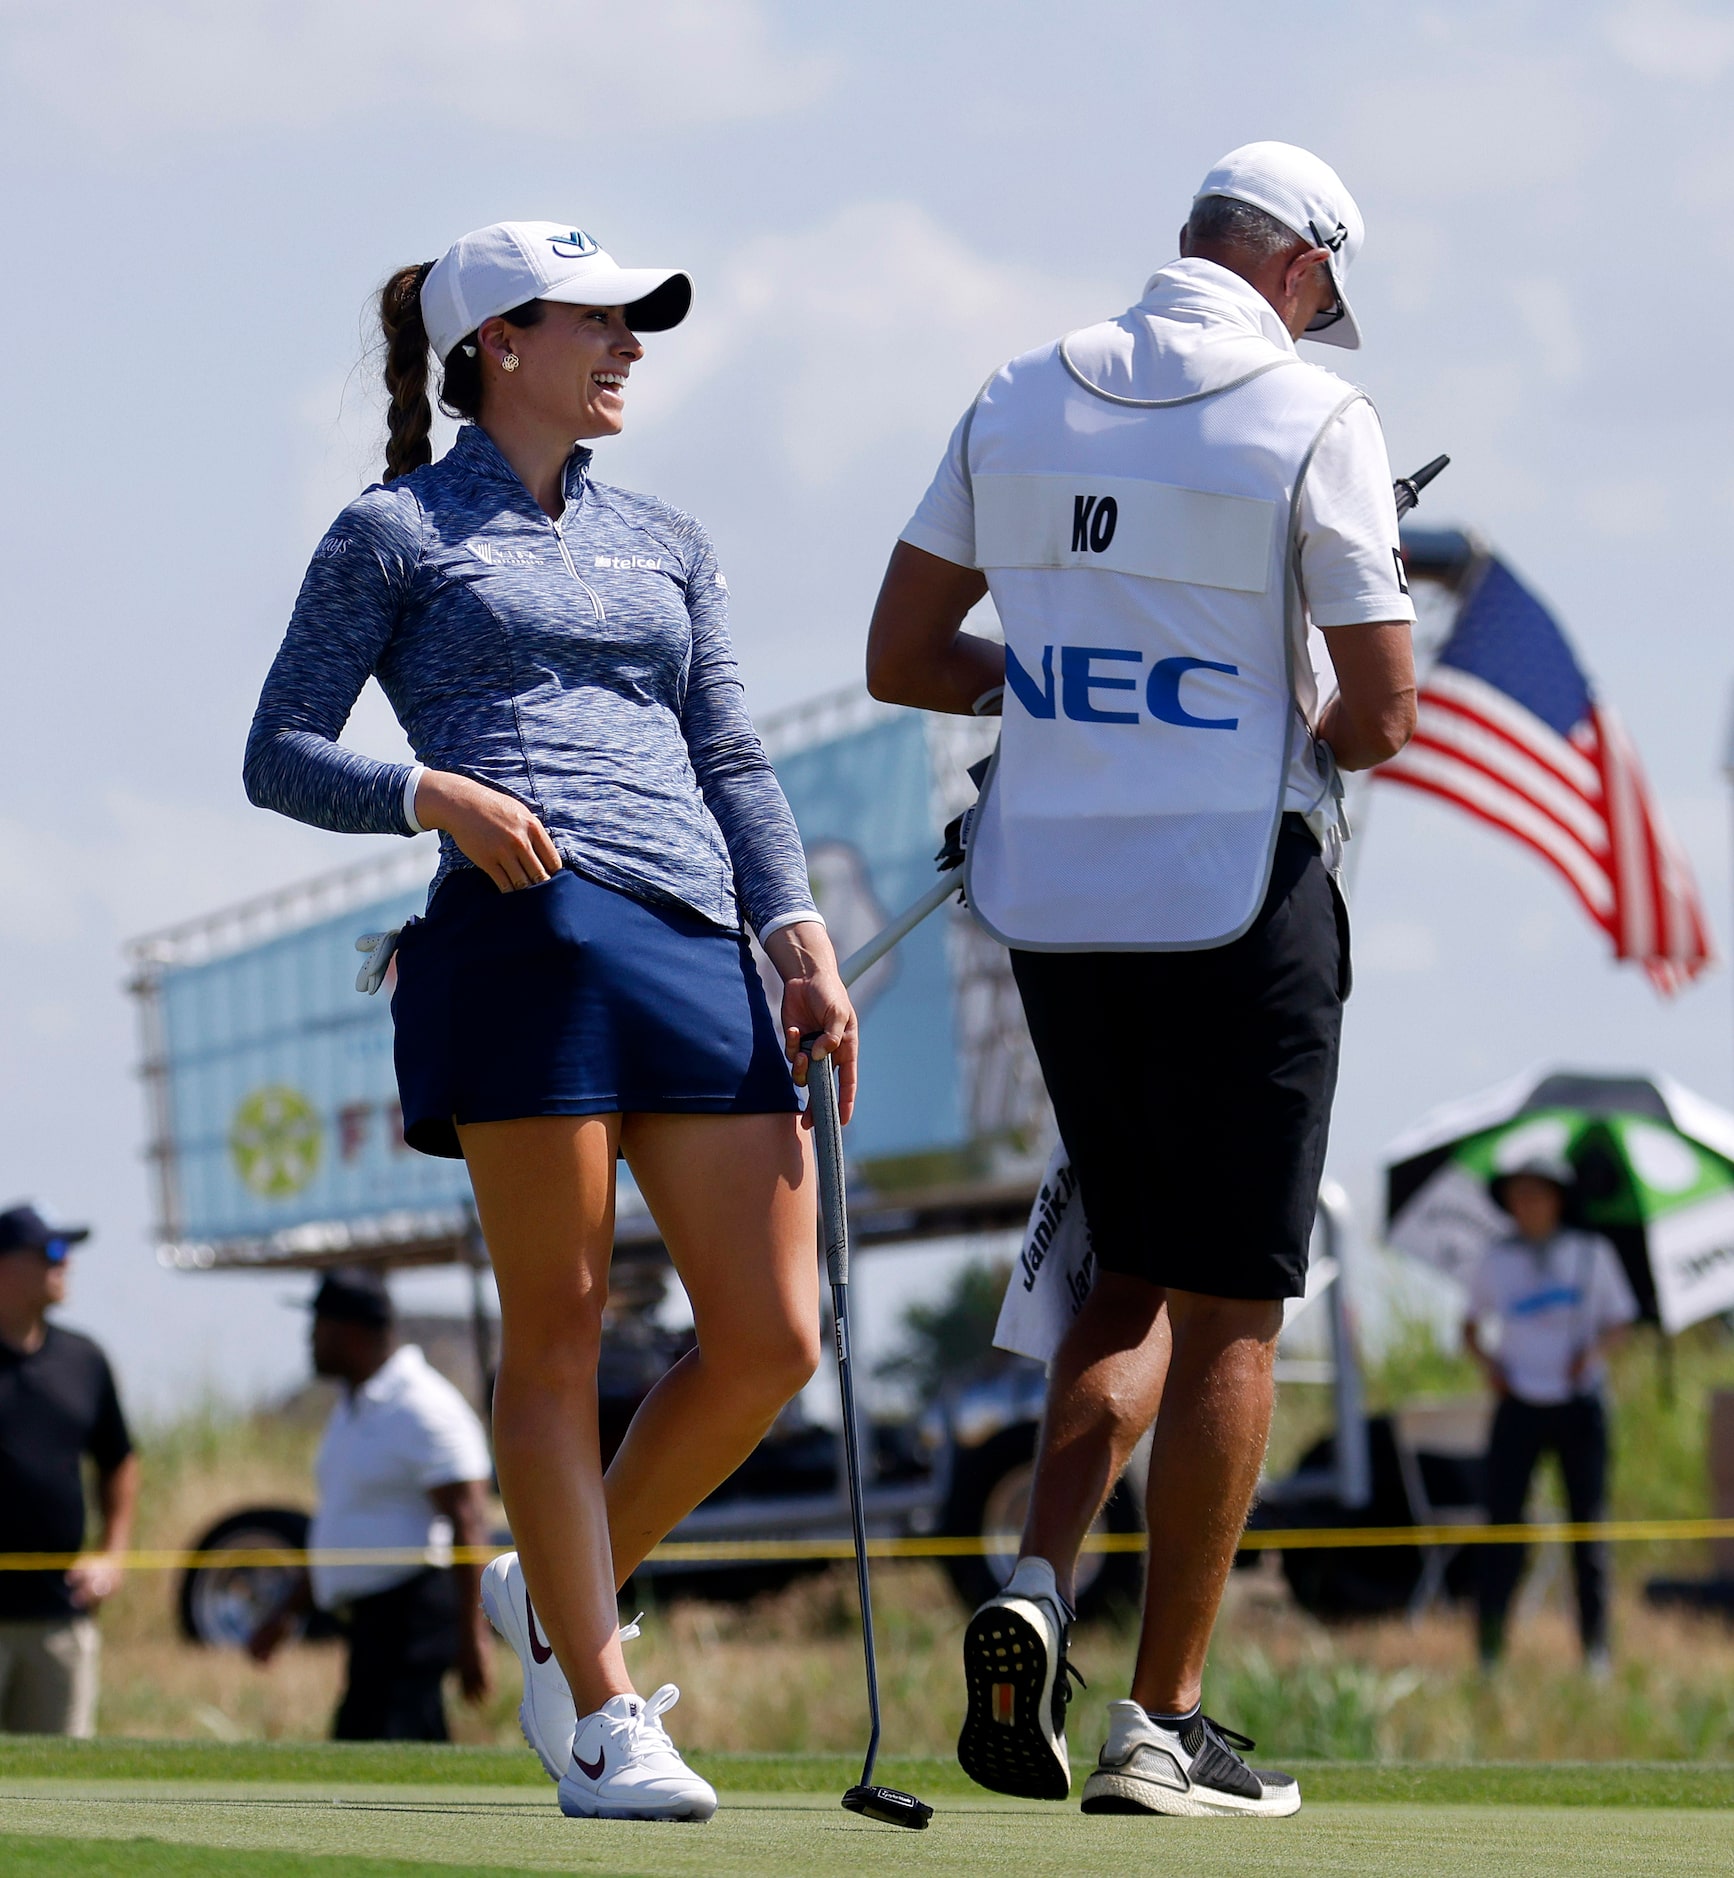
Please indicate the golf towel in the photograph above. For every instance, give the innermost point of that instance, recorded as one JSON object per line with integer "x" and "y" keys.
{"x": 1054, "y": 1271}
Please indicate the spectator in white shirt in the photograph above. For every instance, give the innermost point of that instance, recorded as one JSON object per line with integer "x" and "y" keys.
{"x": 1546, "y": 1304}
{"x": 404, "y": 1466}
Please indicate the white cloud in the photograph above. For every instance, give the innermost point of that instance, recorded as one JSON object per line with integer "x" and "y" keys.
{"x": 1668, "y": 39}
{"x": 337, "y": 434}
{"x": 1513, "y": 123}
{"x": 859, "y": 330}
{"x": 1414, "y": 262}
{"x": 1633, "y": 508}
{"x": 184, "y": 67}
{"x": 1550, "y": 313}
{"x": 835, "y": 338}
{"x": 149, "y": 861}
{"x": 1397, "y": 948}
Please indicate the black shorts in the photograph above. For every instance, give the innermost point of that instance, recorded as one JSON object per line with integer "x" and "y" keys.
{"x": 1193, "y": 1089}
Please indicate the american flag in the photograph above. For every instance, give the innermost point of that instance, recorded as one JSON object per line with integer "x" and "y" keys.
{"x": 1510, "y": 730}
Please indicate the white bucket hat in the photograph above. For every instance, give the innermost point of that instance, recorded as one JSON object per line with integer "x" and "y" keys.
{"x": 1304, "y": 193}
{"x": 491, "y": 270}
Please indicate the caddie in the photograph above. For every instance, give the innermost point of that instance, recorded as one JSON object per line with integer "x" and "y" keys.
{"x": 1161, "y": 506}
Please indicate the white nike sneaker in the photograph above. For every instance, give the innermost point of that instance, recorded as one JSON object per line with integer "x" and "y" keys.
{"x": 1017, "y": 1678}
{"x": 547, "y": 1714}
{"x": 625, "y": 1767}
{"x": 1189, "y": 1773}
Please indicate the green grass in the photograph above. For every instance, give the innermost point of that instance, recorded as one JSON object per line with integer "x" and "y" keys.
{"x": 370, "y": 1763}
{"x": 32, "y": 1855}
{"x": 117, "y": 1809}
{"x": 443, "y": 1831}
{"x": 37, "y": 1760}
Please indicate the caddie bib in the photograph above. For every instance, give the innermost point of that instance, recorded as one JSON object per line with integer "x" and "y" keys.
{"x": 1141, "y": 557}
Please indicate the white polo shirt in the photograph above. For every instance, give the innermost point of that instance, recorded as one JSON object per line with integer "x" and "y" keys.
{"x": 1550, "y": 1303}
{"x": 405, "y": 1431}
{"x": 1190, "y": 334}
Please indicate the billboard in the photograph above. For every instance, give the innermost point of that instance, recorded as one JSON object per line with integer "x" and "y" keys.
{"x": 281, "y": 1088}
{"x": 275, "y": 1119}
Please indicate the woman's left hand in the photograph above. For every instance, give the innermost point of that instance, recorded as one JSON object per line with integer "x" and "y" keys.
{"x": 814, "y": 1001}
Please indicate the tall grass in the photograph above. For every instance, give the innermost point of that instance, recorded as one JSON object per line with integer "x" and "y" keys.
{"x": 784, "y": 1673}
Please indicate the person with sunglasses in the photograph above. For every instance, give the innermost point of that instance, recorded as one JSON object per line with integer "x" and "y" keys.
{"x": 1163, "y": 507}
{"x": 58, "y": 1406}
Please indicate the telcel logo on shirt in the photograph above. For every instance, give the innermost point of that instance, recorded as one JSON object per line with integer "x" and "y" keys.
{"x": 1080, "y": 680}
{"x": 646, "y": 563}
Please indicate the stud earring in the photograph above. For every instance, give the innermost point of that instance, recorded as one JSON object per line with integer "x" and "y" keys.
{"x": 509, "y": 363}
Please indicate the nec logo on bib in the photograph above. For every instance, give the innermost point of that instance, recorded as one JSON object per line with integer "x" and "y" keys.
{"x": 1086, "y": 694}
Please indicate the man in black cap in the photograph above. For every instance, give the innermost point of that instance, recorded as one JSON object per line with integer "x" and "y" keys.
{"x": 404, "y": 1467}
{"x": 57, "y": 1405}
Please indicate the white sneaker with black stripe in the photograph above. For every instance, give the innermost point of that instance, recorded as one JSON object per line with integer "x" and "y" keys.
{"x": 1017, "y": 1678}
{"x": 547, "y": 1714}
{"x": 624, "y": 1766}
{"x": 1192, "y": 1772}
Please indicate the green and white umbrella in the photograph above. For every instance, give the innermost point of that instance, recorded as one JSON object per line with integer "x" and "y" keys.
{"x": 1655, "y": 1166}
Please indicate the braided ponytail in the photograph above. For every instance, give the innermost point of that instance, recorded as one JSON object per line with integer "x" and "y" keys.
{"x": 410, "y": 420}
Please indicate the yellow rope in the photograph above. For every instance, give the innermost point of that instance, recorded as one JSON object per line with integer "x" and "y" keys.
{"x": 797, "y": 1551}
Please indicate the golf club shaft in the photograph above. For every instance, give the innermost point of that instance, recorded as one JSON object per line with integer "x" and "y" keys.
{"x": 901, "y": 927}
{"x": 857, "y": 1519}
{"x": 834, "y": 1214}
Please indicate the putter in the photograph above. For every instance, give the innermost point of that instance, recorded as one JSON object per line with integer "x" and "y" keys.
{"x": 885, "y": 1804}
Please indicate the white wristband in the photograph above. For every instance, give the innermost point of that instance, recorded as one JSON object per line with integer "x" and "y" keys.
{"x": 409, "y": 789}
{"x": 988, "y": 704}
{"x": 789, "y": 919}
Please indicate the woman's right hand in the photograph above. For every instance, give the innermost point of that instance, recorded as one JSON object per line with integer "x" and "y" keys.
{"x": 495, "y": 830}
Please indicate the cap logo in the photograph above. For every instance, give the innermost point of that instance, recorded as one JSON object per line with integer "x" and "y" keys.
{"x": 572, "y": 246}
{"x": 1334, "y": 242}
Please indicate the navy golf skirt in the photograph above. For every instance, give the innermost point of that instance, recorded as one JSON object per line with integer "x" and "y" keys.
{"x": 571, "y": 998}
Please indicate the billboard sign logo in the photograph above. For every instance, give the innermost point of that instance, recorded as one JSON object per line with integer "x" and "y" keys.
{"x": 275, "y": 1140}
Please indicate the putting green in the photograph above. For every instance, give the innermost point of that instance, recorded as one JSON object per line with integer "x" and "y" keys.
{"x": 201, "y": 1812}
{"x": 347, "y": 1764}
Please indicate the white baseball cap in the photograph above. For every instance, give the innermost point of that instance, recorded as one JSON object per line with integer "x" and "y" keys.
{"x": 1304, "y": 193}
{"x": 493, "y": 269}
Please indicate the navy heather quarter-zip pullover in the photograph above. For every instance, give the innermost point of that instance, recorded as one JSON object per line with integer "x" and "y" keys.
{"x": 583, "y": 666}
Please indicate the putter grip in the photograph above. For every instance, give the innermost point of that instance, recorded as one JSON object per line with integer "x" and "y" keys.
{"x": 828, "y": 1152}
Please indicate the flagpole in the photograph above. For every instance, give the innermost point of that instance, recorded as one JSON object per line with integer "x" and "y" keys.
{"x": 1728, "y": 747}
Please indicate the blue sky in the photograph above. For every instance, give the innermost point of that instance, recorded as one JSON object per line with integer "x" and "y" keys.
{"x": 879, "y": 203}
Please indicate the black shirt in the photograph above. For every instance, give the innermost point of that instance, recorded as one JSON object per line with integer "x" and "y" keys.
{"x": 57, "y": 1404}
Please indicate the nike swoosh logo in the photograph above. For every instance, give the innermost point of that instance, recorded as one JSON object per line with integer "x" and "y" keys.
{"x": 589, "y": 1771}
{"x": 539, "y": 1651}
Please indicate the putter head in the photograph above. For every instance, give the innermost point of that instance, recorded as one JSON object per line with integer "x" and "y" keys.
{"x": 889, "y": 1807}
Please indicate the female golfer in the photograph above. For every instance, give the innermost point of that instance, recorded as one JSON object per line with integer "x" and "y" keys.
{"x": 558, "y": 654}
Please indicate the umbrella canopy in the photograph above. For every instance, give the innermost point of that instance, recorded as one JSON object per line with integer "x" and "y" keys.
{"x": 1655, "y": 1168}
